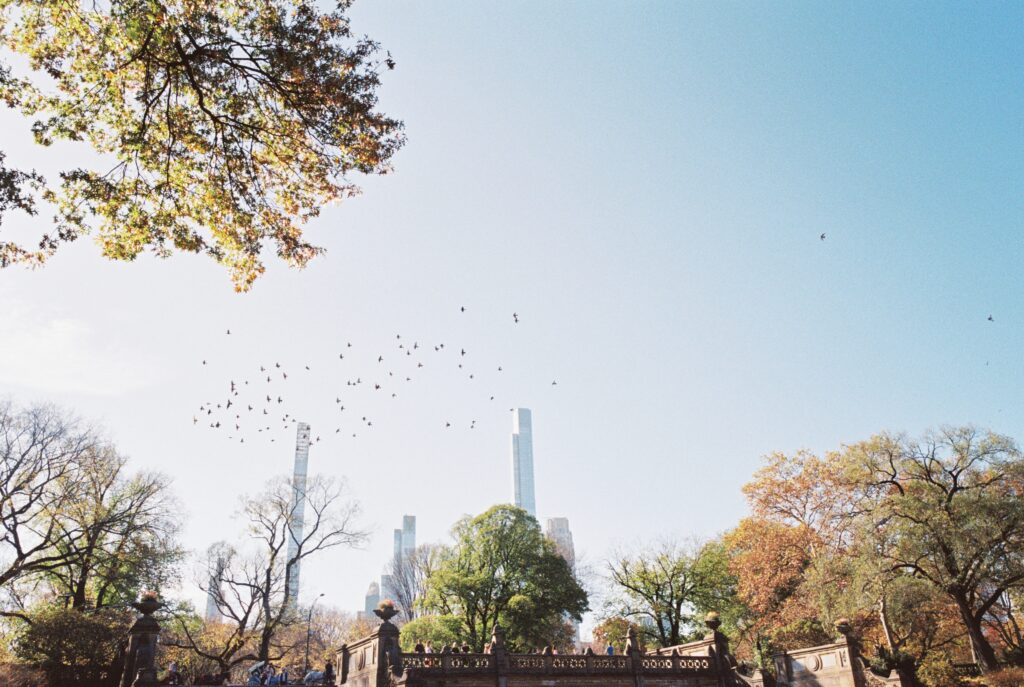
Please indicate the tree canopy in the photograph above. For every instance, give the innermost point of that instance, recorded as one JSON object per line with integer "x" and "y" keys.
{"x": 223, "y": 127}
{"x": 501, "y": 569}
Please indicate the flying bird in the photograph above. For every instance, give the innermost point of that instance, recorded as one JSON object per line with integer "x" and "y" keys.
{"x": 822, "y": 237}
{"x": 515, "y": 317}
{"x": 990, "y": 319}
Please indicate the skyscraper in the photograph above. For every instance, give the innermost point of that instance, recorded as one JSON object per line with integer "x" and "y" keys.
{"x": 560, "y": 535}
{"x": 405, "y": 538}
{"x": 214, "y": 590}
{"x": 372, "y": 598}
{"x": 296, "y": 523}
{"x": 408, "y": 534}
{"x": 522, "y": 460}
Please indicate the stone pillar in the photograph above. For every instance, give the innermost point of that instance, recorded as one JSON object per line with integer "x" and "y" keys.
{"x": 500, "y": 656}
{"x": 636, "y": 658}
{"x": 140, "y": 661}
{"x": 389, "y": 653}
{"x": 720, "y": 649}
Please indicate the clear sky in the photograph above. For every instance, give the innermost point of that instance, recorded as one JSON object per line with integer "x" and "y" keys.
{"x": 645, "y": 185}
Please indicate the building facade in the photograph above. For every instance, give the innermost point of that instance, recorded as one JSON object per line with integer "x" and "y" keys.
{"x": 522, "y": 460}
{"x": 297, "y": 524}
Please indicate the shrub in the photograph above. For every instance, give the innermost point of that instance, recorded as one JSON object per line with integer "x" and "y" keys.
{"x": 1007, "y": 677}
{"x": 14, "y": 675}
{"x": 936, "y": 670}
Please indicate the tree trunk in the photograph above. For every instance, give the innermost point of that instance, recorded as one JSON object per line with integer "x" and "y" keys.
{"x": 883, "y": 618}
{"x": 984, "y": 654}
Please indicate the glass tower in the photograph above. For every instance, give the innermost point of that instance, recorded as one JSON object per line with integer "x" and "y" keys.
{"x": 522, "y": 460}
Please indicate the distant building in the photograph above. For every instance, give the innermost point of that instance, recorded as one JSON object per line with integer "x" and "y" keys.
{"x": 296, "y": 525}
{"x": 559, "y": 533}
{"x": 405, "y": 538}
{"x": 561, "y": 536}
{"x": 372, "y": 598}
{"x": 213, "y": 591}
{"x": 522, "y": 460}
{"x": 387, "y": 588}
{"x": 408, "y": 534}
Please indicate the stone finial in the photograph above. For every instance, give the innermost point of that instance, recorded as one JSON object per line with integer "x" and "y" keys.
{"x": 497, "y": 638}
{"x": 632, "y": 645}
{"x": 589, "y": 651}
{"x": 713, "y": 621}
{"x": 843, "y": 627}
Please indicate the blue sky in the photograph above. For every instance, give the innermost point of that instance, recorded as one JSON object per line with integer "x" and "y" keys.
{"x": 645, "y": 184}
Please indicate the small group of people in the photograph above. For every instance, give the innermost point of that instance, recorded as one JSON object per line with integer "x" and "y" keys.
{"x": 428, "y": 648}
{"x": 267, "y": 674}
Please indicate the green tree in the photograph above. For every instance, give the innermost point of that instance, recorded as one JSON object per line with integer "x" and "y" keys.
{"x": 227, "y": 125}
{"x": 501, "y": 569}
{"x": 58, "y": 636}
{"x": 947, "y": 509}
{"x": 663, "y": 587}
{"x": 439, "y": 630}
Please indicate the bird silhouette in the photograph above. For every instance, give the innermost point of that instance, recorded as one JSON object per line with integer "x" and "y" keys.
{"x": 990, "y": 319}
{"x": 822, "y": 237}
{"x": 515, "y": 318}
{"x": 229, "y": 332}
{"x": 462, "y": 309}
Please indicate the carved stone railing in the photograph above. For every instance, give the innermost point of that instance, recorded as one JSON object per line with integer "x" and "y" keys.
{"x": 556, "y": 664}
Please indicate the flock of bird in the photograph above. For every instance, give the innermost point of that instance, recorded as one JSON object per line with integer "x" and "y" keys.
{"x": 256, "y": 404}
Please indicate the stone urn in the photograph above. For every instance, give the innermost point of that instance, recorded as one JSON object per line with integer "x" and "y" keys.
{"x": 713, "y": 621}
{"x": 386, "y": 611}
{"x": 147, "y": 605}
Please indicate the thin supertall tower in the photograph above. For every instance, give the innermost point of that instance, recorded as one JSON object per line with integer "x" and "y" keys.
{"x": 214, "y": 591}
{"x": 522, "y": 460}
{"x": 296, "y": 522}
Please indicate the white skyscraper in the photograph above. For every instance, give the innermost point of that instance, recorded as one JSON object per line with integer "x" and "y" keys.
{"x": 214, "y": 590}
{"x": 522, "y": 460}
{"x": 298, "y": 504}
